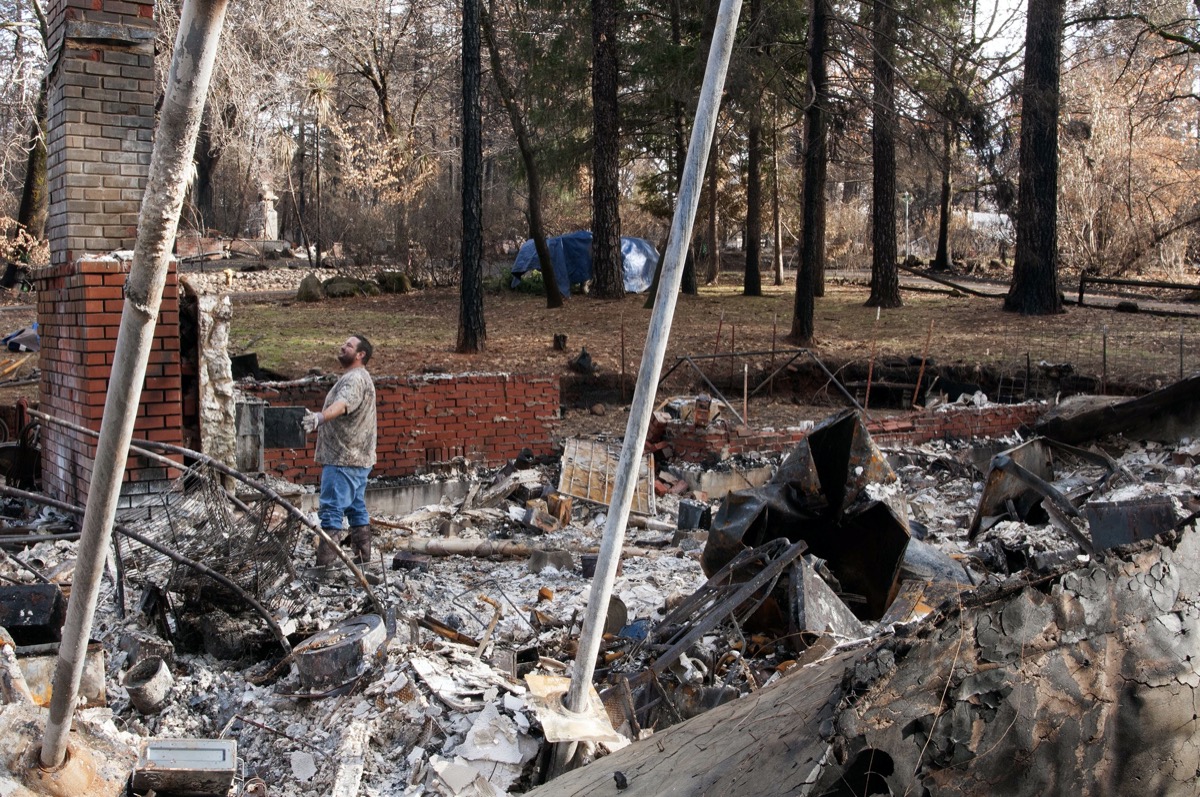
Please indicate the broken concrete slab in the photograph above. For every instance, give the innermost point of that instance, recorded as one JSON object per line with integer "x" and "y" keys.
{"x": 717, "y": 483}
{"x": 94, "y": 738}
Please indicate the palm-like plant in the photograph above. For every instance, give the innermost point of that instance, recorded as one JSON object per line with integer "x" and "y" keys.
{"x": 320, "y": 99}
{"x": 283, "y": 152}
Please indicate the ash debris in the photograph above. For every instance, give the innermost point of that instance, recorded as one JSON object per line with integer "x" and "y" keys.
{"x": 418, "y": 684}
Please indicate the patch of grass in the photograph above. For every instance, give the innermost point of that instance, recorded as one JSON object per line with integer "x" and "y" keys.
{"x": 531, "y": 282}
{"x": 295, "y": 337}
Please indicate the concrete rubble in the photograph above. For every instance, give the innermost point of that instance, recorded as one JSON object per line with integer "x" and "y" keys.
{"x": 770, "y": 668}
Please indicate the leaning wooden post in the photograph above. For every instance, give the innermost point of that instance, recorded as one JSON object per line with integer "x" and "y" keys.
{"x": 924, "y": 358}
{"x": 871, "y": 361}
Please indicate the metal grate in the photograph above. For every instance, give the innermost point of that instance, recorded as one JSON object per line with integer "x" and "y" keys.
{"x": 248, "y": 539}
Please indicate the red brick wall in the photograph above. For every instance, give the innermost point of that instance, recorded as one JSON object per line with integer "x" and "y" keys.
{"x": 956, "y": 423}
{"x": 721, "y": 441}
{"x": 487, "y": 418}
{"x": 79, "y": 316}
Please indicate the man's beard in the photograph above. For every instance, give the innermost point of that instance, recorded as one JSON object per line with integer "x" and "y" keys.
{"x": 346, "y": 359}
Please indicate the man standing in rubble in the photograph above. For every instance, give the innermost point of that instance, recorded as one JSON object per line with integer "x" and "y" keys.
{"x": 345, "y": 429}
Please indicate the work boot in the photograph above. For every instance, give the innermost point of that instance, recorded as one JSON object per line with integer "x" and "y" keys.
{"x": 360, "y": 540}
{"x": 326, "y": 553}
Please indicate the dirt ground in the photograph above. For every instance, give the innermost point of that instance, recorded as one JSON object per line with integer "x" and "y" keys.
{"x": 417, "y": 333}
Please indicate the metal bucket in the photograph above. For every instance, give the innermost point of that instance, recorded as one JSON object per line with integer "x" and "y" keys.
{"x": 148, "y": 683}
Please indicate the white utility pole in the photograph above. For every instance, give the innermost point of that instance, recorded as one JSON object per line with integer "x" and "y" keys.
{"x": 652, "y": 360}
{"x": 200, "y": 27}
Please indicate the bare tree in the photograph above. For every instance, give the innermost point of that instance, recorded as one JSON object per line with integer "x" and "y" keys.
{"x": 533, "y": 178}
{"x": 26, "y": 58}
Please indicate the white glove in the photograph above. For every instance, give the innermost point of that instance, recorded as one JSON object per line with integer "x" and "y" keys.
{"x": 310, "y": 421}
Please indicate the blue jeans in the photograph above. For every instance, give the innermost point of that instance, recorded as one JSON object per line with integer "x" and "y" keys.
{"x": 342, "y": 494}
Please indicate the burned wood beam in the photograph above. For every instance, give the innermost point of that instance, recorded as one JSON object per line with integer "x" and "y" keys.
{"x": 165, "y": 551}
{"x": 13, "y": 688}
{"x": 431, "y": 623}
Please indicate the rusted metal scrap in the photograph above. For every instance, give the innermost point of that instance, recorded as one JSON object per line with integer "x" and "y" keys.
{"x": 720, "y": 598}
{"x": 1018, "y": 480}
{"x": 1164, "y": 415}
{"x": 1113, "y": 523}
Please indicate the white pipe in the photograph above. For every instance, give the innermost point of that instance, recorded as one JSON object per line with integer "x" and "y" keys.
{"x": 652, "y": 358}
{"x": 200, "y": 26}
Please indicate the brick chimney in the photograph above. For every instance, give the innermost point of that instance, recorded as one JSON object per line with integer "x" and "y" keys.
{"x": 101, "y": 125}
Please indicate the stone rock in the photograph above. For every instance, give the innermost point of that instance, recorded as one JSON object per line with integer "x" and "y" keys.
{"x": 394, "y": 282}
{"x": 342, "y": 287}
{"x": 310, "y": 289}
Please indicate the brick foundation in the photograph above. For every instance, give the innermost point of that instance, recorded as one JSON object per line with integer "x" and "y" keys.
{"x": 720, "y": 440}
{"x": 79, "y": 316}
{"x": 486, "y": 418}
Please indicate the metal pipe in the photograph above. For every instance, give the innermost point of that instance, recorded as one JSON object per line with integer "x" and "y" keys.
{"x": 200, "y": 26}
{"x": 652, "y": 357}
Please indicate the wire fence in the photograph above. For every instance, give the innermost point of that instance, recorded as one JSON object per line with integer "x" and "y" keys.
{"x": 1092, "y": 360}
{"x": 1016, "y": 362}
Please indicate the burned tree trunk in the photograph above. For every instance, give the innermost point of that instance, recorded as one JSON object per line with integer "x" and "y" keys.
{"x": 885, "y": 280}
{"x": 1034, "y": 289}
{"x": 607, "y": 268}
{"x": 811, "y": 269}
{"x": 472, "y": 331}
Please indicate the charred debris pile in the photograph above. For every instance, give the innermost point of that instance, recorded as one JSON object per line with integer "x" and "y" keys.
{"x": 226, "y": 664}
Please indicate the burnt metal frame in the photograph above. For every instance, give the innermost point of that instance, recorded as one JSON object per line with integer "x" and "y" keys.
{"x": 796, "y": 354}
{"x": 717, "y": 601}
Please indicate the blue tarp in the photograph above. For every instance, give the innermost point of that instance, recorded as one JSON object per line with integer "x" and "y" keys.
{"x": 572, "y": 258}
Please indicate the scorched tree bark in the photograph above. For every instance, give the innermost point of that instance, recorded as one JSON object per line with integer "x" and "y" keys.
{"x": 1034, "y": 289}
{"x": 472, "y": 332}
